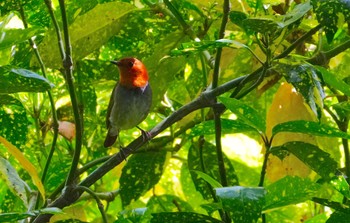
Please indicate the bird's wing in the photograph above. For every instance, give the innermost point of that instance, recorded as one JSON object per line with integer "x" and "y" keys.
{"x": 110, "y": 106}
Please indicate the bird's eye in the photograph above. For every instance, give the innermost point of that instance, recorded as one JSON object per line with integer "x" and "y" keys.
{"x": 130, "y": 64}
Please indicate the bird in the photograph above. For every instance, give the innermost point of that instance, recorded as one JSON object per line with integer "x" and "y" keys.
{"x": 131, "y": 98}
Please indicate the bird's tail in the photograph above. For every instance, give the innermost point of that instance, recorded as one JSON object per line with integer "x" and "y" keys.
{"x": 110, "y": 139}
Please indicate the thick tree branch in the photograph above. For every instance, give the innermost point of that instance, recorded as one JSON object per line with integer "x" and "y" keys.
{"x": 206, "y": 99}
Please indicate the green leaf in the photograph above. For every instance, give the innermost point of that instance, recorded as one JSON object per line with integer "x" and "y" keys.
{"x": 87, "y": 33}
{"x": 207, "y": 178}
{"x": 309, "y": 127}
{"x": 338, "y": 216}
{"x": 341, "y": 185}
{"x": 203, "y": 158}
{"x": 246, "y": 113}
{"x": 305, "y": 79}
{"x": 237, "y": 17}
{"x": 13, "y": 180}
{"x": 10, "y": 37}
{"x": 197, "y": 47}
{"x": 176, "y": 217}
{"x": 21, "y": 80}
{"x": 141, "y": 173}
{"x": 266, "y": 25}
{"x": 319, "y": 218}
{"x": 167, "y": 203}
{"x": 318, "y": 160}
{"x": 294, "y": 15}
{"x": 333, "y": 80}
{"x": 289, "y": 190}
{"x": 342, "y": 109}
{"x": 228, "y": 126}
{"x": 245, "y": 203}
{"x": 13, "y": 217}
{"x": 13, "y": 119}
{"x": 328, "y": 12}
{"x": 162, "y": 69}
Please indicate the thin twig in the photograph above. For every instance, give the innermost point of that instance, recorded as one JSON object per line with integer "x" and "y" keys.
{"x": 52, "y": 103}
{"x": 97, "y": 199}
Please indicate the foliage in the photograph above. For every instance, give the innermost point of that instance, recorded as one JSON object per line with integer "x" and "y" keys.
{"x": 214, "y": 70}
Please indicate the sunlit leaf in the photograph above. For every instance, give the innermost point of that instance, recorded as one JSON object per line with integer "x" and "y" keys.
{"x": 289, "y": 190}
{"x": 306, "y": 81}
{"x": 167, "y": 203}
{"x": 245, "y": 203}
{"x": 328, "y": 13}
{"x": 196, "y": 47}
{"x": 21, "y": 80}
{"x": 13, "y": 217}
{"x": 13, "y": 119}
{"x": 334, "y": 81}
{"x": 312, "y": 156}
{"x": 10, "y": 37}
{"x": 203, "y": 159}
{"x": 13, "y": 180}
{"x": 228, "y": 126}
{"x": 309, "y": 127}
{"x": 176, "y": 217}
{"x": 87, "y": 33}
{"x": 341, "y": 185}
{"x": 141, "y": 173}
{"x": 207, "y": 178}
{"x": 245, "y": 113}
{"x": 26, "y": 164}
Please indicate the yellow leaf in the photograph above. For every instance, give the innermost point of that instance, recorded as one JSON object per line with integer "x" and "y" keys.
{"x": 25, "y": 163}
{"x": 69, "y": 213}
{"x": 287, "y": 105}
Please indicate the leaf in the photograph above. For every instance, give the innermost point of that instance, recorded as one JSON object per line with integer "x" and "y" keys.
{"x": 176, "y": 217}
{"x": 265, "y": 25}
{"x": 10, "y": 37}
{"x": 15, "y": 80}
{"x": 338, "y": 216}
{"x": 228, "y": 126}
{"x": 309, "y": 127}
{"x": 245, "y": 113}
{"x": 13, "y": 217}
{"x": 289, "y": 190}
{"x": 333, "y": 80}
{"x": 312, "y": 156}
{"x": 305, "y": 79}
{"x": 87, "y": 33}
{"x": 13, "y": 119}
{"x": 197, "y": 47}
{"x": 13, "y": 180}
{"x": 207, "y": 178}
{"x": 203, "y": 158}
{"x": 328, "y": 12}
{"x": 167, "y": 203}
{"x": 141, "y": 173}
{"x": 245, "y": 203}
{"x": 162, "y": 69}
{"x": 341, "y": 185}
{"x": 294, "y": 15}
{"x": 26, "y": 164}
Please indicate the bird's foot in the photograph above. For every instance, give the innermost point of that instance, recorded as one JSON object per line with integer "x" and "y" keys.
{"x": 146, "y": 136}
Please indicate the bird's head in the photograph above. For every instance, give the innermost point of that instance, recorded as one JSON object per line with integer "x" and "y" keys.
{"x": 133, "y": 72}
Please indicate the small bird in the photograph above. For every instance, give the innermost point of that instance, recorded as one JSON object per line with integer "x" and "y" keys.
{"x": 131, "y": 98}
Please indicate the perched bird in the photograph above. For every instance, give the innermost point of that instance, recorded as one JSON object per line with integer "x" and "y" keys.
{"x": 131, "y": 99}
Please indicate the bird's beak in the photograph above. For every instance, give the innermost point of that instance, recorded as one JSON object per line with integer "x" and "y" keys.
{"x": 115, "y": 62}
